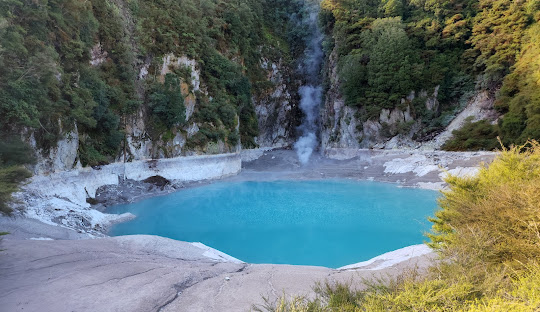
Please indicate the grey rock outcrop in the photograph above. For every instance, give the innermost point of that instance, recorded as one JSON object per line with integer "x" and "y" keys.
{"x": 61, "y": 157}
{"x": 276, "y": 107}
{"x": 343, "y": 126}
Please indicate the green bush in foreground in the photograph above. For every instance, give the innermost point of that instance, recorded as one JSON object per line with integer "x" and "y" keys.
{"x": 493, "y": 219}
{"x": 487, "y": 234}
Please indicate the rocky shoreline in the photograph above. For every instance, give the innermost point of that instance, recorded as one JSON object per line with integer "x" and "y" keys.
{"x": 77, "y": 200}
{"x": 65, "y": 198}
{"x": 144, "y": 273}
{"x": 406, "y": 167}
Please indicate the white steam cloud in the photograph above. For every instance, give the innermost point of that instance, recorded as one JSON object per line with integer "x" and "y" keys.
{"x": 309, "y": 104}
{"x": 311, "y": 91}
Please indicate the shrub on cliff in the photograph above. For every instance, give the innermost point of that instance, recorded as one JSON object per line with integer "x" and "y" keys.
{"x": 166, "y": 102}
{"x": 473, "y": 136}
{"x": 10, "y": 178}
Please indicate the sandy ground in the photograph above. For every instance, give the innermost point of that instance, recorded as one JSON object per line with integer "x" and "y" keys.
{"x": 50, "y": 268}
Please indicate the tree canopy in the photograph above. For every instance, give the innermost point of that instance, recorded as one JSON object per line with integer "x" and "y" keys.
{"x": 389, "y": 48}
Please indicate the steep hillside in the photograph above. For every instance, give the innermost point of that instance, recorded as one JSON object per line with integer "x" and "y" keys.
{"x": 97, "y": 81}
{"x": 89, "y": 83}
{"x": 398, "y": 71}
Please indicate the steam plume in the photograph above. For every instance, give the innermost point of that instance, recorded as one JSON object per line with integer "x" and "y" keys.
{"x": 311, "y": 91}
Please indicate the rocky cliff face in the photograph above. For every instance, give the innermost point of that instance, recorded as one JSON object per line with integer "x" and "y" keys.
{"x": 339, "y": 126}
{"x": 142, "y": 145}
{"x": 275, "y": 106}
{"x": 342, "y": 126}
{"x": 479, "y": 107}
{"x": 125, "y": 81}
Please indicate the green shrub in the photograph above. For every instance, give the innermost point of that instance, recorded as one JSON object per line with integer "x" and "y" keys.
{"x": 90, "y": 156}
{"x": 473, "y": 136}
{"x": 14, "y": 153}
{"x": 166, "y": 102}
{"x": 233, "y": 138}
{"x": 198, "y": 140}
{"x": 493, "y": 217}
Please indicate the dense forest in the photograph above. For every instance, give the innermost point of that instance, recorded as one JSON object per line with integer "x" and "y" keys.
{"x": 93, "y": 68}
{"x": 95, "y": 64}
{"x": 388, "y": 48}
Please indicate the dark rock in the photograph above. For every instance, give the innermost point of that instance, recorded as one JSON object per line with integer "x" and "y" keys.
{"x": 92, "y": 201}
{"x": 128, "y": 191}
{"x": 157, "y": 181}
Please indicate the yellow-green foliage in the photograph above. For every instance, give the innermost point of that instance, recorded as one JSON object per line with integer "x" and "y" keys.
{"x": 522, "y": 296}
{"x": 519, "y": 97}
{"x": 296, "y": 304}
{"x": 440, "y": 294}
{"x": 488, "y": 236}
{"x": 493, "y": 218}
{"x": 13, "y": 155}
{"x": 429, "y": 295}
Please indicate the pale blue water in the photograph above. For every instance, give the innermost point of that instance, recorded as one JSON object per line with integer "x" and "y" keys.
{"x": 327, "y": 223}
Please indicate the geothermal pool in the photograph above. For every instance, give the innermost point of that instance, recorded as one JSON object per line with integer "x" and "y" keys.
{"x": 328, "y": 223}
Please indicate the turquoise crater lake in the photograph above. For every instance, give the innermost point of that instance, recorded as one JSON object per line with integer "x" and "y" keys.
{"x": 328, "y": 223}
